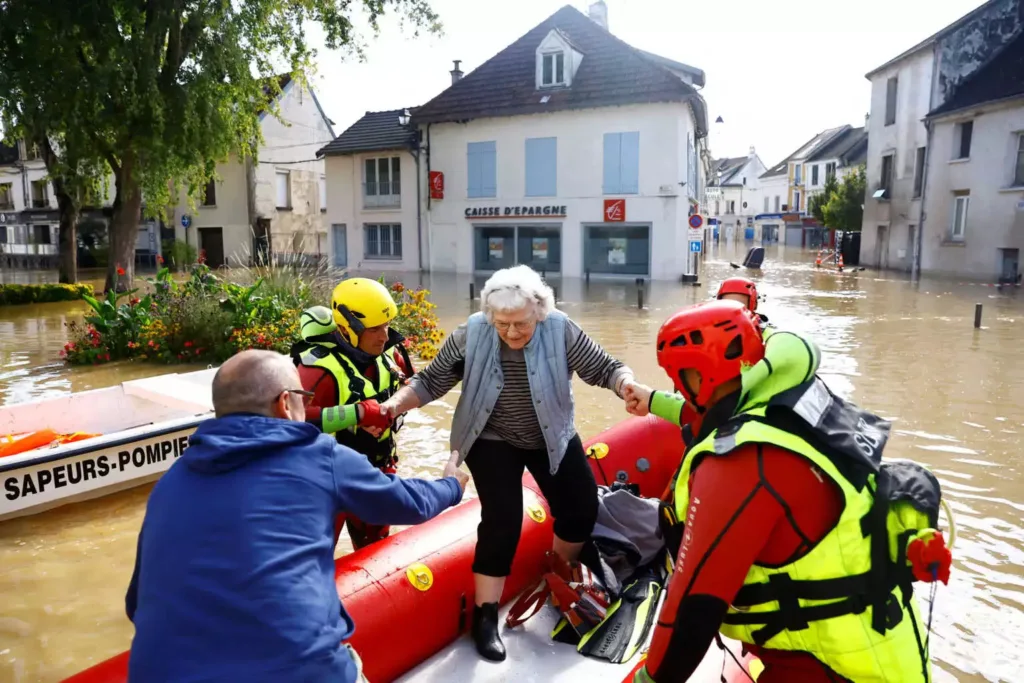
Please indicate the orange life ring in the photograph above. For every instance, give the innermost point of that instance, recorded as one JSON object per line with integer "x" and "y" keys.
{"x": 13, "y": 444}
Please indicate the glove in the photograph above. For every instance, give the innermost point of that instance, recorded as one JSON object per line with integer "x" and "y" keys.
{"x": 373, "y": 416}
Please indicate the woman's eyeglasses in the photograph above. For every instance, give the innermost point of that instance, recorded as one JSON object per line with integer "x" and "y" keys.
{"x": 521, "y": 326}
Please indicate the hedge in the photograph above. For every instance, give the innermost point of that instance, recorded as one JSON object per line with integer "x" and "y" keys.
{"x": 15, "y": 295}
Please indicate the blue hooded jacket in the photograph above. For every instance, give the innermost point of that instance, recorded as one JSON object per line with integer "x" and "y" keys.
{"x": 234, "y": 573}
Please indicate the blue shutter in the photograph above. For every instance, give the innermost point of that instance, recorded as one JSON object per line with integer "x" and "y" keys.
{"x": 612, "y": 177}
{"x": 488, "y": 170}
{"x": 541, "y": 167}
{"x": 472, "y": 170}
{"x": 629, "y": 163}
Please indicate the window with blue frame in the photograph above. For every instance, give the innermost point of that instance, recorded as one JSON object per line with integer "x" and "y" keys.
{"x": 622, "y": 163}
{"x": 482, "y": 169}
{"x": 541, "y": 167}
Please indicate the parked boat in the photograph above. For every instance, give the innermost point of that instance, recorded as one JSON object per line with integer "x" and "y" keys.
{"x": 92, "y": 443}
{"x": 411, "y": 595}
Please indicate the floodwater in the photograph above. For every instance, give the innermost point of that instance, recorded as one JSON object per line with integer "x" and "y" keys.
{"x": 908, "y": 352}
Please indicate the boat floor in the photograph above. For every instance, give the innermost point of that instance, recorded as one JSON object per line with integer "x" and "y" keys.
{"x": 534, "y": 658}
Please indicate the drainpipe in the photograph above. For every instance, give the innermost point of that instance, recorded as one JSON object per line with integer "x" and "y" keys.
{"x": 430, "y": 241}
{"x": 419, "y": 210}
{"x": 915, "y": 263}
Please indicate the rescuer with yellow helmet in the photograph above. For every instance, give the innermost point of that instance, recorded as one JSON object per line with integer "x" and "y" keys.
{"x": 352, "y": 361}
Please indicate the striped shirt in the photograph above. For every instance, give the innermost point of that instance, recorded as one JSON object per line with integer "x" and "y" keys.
{"x": 514, "y": 419}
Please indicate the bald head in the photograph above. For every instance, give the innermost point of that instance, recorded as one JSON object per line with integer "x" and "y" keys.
{"x": 249, "y": 381}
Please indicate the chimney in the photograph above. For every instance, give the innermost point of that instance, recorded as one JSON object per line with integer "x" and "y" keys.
{"x": 867, "y": 116}
{"x": 598, "y": 12}
{"x": 456, "y": 72}
{"x": 752, "y": 152}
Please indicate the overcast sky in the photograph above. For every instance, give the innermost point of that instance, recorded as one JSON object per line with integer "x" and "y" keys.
{"x": 778, "y": 71}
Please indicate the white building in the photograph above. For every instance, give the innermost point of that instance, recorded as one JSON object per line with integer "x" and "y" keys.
{"x": 785, "y": 187}
{"x": 28, "y": 224}
{"x": 569, "y": 151}
{"x": 903, "y": 92}
{"x": 734, "y": 193}
{"x": 273, "y": 207}
{"x": 843, "y": 155}
{"x": 974, "y": 200}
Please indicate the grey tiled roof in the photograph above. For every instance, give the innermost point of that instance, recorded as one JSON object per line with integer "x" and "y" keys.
{"x": 1001, "y": 78}
{"x": 611, "y": 73}
{"x": 842, "y": 145}
{"x": 806, "y": 151}
{"x": 375, "y": 131}
{"x": 728, "y": 167}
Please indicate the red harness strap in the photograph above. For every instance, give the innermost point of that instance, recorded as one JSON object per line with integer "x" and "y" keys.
{"x": 582, "y": 605}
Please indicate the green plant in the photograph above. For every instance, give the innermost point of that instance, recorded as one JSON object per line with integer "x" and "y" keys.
{"x": 845, "y": 208}
{"x": 180, "y": 255}
{"x": 15, "y": 295}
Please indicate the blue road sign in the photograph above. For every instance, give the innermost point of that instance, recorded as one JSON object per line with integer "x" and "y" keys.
{"x": 186, "y": 221}
{"x": 694, "y": 247}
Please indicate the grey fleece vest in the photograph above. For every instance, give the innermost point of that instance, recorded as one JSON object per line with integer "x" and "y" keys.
{"x": 550, "y": 385}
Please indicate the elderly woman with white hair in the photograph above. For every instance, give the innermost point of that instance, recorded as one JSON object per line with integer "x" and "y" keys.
{"x": 515, "y": 360}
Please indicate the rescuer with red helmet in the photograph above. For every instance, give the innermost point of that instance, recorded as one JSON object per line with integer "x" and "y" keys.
{"x": 770, "y": 531}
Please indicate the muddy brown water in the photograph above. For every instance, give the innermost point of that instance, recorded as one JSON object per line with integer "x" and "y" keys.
{"x": 909, "y": 352}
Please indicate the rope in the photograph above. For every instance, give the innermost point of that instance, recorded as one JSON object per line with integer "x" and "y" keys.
{"x": 952, "y": 524}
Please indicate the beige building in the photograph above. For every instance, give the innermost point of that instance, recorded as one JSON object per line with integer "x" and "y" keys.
{"x": 974, "y": 200}
{"x": 899, "y": 229}
{"x": 272, "y": 207}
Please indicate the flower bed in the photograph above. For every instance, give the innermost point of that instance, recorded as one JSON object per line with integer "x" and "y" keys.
{"x": 206, "y": 318}
{"x": 15, "y": 295}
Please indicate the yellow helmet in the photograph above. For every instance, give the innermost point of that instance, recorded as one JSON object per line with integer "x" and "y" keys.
{"x": 359, "y": 303}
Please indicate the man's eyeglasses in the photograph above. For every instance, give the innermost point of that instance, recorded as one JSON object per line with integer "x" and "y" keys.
{"x": 307, "y": 396}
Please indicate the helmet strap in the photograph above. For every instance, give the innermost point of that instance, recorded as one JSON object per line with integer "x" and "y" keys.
{"x": 353, "y": 322}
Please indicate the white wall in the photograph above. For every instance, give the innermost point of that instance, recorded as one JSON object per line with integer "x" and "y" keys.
{"x": 230, "y": 213}
{"x": 346, "y": 206}
{"x": 661, "y": 202}
{"x": 303, "y": 132}
{"x": 994, "y": 221}
{"x": 901, "y": 139}
{"x": 775, "y": 186}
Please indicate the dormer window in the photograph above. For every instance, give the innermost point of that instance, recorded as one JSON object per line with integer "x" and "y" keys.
{"x": 553, "y": 69}
{"x": 557, "y": 61}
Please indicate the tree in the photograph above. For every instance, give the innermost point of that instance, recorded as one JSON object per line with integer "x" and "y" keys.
{"x": 817, "y": 203}
{"x": 845, "y": 208}
{"x": 162, "y": 90}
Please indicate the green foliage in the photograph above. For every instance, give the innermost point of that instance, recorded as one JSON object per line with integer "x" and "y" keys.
{"x": 178, "y": 254}
{"x": 14, "y": 295}
{"x": 816, "y": 206}
{"x": 207, "y": 319}
{"x": 845, "y": 208}
{"x": 161, "y": 91}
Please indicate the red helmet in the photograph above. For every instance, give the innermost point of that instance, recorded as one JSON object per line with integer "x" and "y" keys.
{"x": 715, "y": 338}
{"x": 740, "y": 285}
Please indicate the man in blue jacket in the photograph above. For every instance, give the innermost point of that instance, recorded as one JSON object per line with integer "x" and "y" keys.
{"x": 234, "y": 574}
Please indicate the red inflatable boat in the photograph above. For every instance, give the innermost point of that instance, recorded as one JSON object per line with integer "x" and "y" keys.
{"x": 411, "y": 595}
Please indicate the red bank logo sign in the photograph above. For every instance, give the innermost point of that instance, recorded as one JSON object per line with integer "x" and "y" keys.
{"x": 436, "y": 185}
{"x": 614, "y": 210}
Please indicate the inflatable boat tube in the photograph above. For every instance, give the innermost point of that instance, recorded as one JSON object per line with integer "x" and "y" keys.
{"x": 411, "y": 595}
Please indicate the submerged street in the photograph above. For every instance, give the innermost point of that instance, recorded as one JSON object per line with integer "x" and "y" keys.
{"x": 906, "y": 351}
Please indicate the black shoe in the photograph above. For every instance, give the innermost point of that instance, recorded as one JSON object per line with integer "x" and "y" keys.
{"x": 485, "y": 632}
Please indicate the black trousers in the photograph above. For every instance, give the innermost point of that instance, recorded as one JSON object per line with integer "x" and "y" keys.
{"x": 497, "y": 470}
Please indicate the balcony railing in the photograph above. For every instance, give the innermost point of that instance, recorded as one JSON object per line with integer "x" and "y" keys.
{"x": 382, "y": 195}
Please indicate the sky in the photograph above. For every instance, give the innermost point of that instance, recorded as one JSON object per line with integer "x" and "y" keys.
{"x": 778, "y": 71}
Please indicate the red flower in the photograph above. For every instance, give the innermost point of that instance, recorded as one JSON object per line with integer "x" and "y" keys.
{"x": 134, "y": 302}
{"x": 159, "y": 258}
{"x": 150, "y": 343}
{"x": 188, "y": 345}
{"x": 120, "y": 270}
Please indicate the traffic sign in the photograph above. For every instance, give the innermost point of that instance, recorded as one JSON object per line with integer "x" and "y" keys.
{"x": 696, "y": 220}
{"x": 694, "y": 247}
{"x": 186, "y": 221}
